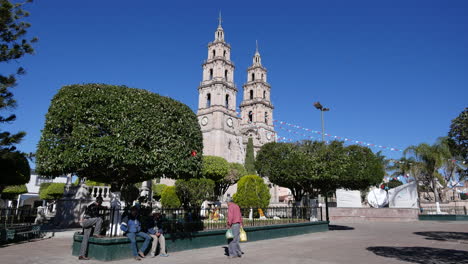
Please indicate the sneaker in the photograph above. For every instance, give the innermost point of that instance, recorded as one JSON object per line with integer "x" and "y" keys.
{"x": 137, "y": 258}
{"x": 163, "y": 255}
{"x": 141, "y": 254}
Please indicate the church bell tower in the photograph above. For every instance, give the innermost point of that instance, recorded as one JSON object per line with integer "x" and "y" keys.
{"x": 217, "y": 102}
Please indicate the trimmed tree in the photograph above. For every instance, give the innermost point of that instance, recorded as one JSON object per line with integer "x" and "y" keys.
{"x": 157, "y": 190}
{"x": 118, "y": 135}
{"x": 14, "y": 45}
{"x": 250, "y": 158}
{"x": 14, "y": 169}
{"x": 12, "y": 192}
{"x": 284, "y": 165}
{"x": 252, "y": 192}
{"x": 51, "y": 191}
{"x": 193, "y": 192}
{"x": 364, "y": 169}
{"x": 169, "y": 198}
{"x": 216, "y": 169}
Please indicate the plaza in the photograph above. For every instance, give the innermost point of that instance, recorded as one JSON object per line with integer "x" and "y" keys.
{"x": 365, "y": 242}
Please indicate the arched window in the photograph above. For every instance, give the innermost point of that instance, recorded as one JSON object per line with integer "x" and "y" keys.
{"x": 226, "y": 75}
{"x": 253, "y": 76}
{"x": 214, "y": 53}
{"x": 224, "y": 54}
{"x": 208, "y": 100}
{"x": 250, "y": 116}
{"x": 211, "y": 74}
{"x": 227, "y": 101}
{"x": 266, "y": 117}
{"x": 251, "y": 94}
{"x": 264, "y": 94}
{"x": 262, "y": 77}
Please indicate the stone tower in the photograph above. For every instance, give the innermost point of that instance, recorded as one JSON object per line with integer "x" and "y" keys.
{"x": 217, "y": 103}
{"x": 256, "y": 107}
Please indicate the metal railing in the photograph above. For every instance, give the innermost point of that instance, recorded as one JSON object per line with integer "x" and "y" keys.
{"x": 179, "y": 221}
{"x": 450, "y": 210}
{"x": 17, "y": 216}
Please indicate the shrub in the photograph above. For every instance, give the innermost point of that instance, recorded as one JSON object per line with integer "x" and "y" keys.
{"x": 51, "y": 191}
{"x": 252, "y": 192}
{"x": 169, "y": 198}
{"x": 157, "y": 191}
{"x": 12, "y": 192}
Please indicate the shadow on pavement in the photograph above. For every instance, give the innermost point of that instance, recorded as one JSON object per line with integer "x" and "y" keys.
{"x": 422, "y": 255}
{"x": 339, "y": 227}
{"x": 444, "y": 236}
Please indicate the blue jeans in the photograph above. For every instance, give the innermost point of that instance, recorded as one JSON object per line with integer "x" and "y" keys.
{"x": 133, "y": 243}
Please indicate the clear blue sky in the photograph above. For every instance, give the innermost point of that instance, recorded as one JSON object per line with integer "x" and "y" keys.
{"x": 394, "y": 73}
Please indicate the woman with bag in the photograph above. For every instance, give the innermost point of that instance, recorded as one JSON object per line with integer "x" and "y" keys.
{"x": 234, "y": 223}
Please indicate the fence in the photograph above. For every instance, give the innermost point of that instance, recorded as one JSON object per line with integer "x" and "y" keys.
{"x": 195, "y": 219}
{"x": 17, "y": 217}
{"x": 448, "y": 210}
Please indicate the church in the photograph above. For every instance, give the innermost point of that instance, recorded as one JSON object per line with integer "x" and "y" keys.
{"x": 225, "y": 133}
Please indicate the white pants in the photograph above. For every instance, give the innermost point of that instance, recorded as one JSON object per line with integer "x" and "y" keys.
{"x": 162, "y": 242}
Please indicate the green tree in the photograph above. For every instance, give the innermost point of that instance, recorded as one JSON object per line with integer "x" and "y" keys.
{"x": 216, "y": 169}
{"x": 393, "y": 183}
{"x": 14, "y": 45}
{"x": 12, "y": 192}
{"x": 364, "y": 169}
{"x": 193, "y": 192}
{"x": 169, "y": 198}
{"x": 250, "y": 158}
{"x": 157, "y": 190}
{"x": 51, "y": 191}
{"x": 284, "y": 165}
{"x": 118, "y": 135}
{"x": 14, "y": 169}
{"x": 236, "y": 171}
{"x": 430, "y": 159}
{"x": 458, "y": 135}
{"x": 252, "y": 192}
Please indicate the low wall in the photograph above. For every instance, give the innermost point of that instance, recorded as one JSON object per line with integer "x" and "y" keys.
{"x": 119, "y": 247}
{"x": 373, "y": 214}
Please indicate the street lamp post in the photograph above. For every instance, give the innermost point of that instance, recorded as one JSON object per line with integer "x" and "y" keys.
{"x": 322, "y": 109}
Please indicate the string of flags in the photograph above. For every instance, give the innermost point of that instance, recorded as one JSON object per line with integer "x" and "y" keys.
{"x": 345, "y": 139}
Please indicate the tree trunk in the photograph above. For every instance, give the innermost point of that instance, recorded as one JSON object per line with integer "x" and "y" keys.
{"x": 436, "y": 194}
{"x": 326, "y": 208}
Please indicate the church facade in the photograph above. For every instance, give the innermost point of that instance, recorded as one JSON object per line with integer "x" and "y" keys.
{"x": 225, "y": 132}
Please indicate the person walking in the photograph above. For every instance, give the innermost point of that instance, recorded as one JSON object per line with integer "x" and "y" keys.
{"x": 132, "y": 228}
{"x": 90, "y": 218}
{"x": 155, "y": 230}
{"x": 234, "y": 223}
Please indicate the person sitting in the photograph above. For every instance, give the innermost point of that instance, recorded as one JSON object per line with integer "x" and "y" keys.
{"x": 132, "y": 228}
{"x": 155, "y": 230}
{"x": 90, "y": 218}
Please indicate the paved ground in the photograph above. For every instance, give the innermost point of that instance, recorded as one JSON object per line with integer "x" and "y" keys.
{"x": 414, "y": 242}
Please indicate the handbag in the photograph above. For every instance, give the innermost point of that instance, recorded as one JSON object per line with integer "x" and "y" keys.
{"x": 243, "y": 235}
{"x": 229, "y": 234}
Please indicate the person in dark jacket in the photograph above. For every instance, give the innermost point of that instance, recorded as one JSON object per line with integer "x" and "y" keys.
{"x": 91, "y": 218}
{"x": 155, "y": 230}
{"x": 132, "y": 228}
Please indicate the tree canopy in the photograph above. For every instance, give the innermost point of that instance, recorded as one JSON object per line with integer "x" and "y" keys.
{"x": 193, "y": 192}
{"x": 169, "y": 198}
{"x": 14, "y": 45}
{"x": 51, "y": 191}
{"x": 284, "y": 165}
{"x": 119, "y": 135}
{"x": 11, "y": 192}
{"x": 216, "y": 169}
{"x": 459, "y": 135}
{"x": 252, "y": 192}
